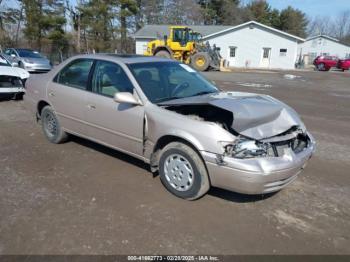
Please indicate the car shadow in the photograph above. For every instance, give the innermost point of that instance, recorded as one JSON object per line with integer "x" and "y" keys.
{"x": 237, "y": 197}
{"x": 109, "y": 151}
{"x": 216, "y": 192}
{"x": 5, "y": 98}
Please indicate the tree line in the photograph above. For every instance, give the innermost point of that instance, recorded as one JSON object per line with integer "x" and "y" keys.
{"x": 64, "y": 27}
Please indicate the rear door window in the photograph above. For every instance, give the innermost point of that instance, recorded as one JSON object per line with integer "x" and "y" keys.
{"x": 76, "y": 74}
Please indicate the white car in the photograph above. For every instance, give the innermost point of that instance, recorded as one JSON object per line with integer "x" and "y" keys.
{"x": 11, "y": 80}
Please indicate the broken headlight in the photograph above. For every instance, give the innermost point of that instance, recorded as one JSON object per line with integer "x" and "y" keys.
{"x": 245, "y": 148}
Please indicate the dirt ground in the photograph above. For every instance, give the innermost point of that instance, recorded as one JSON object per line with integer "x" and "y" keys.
{"x": 82, "y": 198}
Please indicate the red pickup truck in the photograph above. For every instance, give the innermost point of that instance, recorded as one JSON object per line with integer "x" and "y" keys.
{"x": 324, "y": 63}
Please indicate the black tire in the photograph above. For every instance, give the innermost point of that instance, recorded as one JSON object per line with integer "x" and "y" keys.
{"x": 18, "y": 96}
{"x": 200, "y": 182}
{"x": 51, "y": 126}
{"x": 163, "y": 53}
{"x": 321, "y": 67}
{"x": 200, "y": 61}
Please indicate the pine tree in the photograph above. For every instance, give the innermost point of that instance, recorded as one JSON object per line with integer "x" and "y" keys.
{"x": 293, "y": 21}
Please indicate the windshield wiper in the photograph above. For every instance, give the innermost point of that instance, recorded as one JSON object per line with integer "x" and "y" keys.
{"x": 204, "y": 93}
{"x": 167, "y": 99}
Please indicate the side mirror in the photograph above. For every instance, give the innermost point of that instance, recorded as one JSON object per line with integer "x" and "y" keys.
{"x": 126, "y": 97}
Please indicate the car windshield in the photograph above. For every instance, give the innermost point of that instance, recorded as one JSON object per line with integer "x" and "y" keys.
{"x": 3, "y": 61}
{"x": 29, "y": 54}
{"x": 164, "y": 81}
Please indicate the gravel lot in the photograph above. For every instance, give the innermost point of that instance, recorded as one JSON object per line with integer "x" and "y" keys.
{"x": 82, "y": 198}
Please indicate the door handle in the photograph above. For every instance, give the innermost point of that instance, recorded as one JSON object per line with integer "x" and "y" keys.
{"x": 91, "y": 107}
{"x": 51, "y": 94}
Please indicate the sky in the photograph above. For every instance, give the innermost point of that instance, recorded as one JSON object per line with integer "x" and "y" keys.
{"x": 314, "y": 8}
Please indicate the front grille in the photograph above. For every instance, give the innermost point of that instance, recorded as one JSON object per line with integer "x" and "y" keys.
{"x": 297, "y": 145}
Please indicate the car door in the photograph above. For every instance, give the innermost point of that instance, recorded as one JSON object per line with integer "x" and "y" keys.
{"x": 67, "y": 95}
{"x": 115, "y": 124}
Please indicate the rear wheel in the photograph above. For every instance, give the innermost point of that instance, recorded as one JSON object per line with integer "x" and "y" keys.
{"x": 51, "y": 126}
{"x": 163, "y": 53}
{"x": 200, "y": 61}
{"x": 182, "y": 171}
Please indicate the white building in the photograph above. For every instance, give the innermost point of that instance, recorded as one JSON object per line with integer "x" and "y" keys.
{"x": 251, "y": 44}
{"x": 322, "y": 45}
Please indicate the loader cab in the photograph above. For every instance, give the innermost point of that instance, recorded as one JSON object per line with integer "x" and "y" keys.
{"x": 180, "y": 35}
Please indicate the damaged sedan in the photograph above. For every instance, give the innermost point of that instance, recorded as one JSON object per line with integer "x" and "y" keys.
{"x": 168, "y": 115}
{"x": 11, "y": 80}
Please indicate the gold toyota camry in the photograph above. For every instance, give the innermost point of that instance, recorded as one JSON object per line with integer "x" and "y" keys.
{"x": 168, "y": 115}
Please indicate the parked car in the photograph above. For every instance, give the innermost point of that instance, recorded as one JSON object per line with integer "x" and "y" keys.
{"x": 325, "y": 63}
{"x": 7, "y": 68}
{"x": 344, "y": 64}
{"x": 168, "y": 115}
{"x": 30, "y": 60}
{"x": 11, "y": 79}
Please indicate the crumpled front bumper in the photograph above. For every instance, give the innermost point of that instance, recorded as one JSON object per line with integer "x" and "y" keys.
{"x": 257, "y": 175}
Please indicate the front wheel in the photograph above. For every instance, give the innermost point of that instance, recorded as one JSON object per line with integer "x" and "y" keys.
{"x": 163, "y": 53}
{"x": 51, "y": 126}
{"x": 321, "y": 67}
{"x": 182, "y": 171}
{"x": 18, "y": 96}
{"x": 200, "y": 61}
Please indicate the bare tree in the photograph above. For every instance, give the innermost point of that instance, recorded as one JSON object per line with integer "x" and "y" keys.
{"x": 342, "y": 24}
{"x": 320, "y": 25}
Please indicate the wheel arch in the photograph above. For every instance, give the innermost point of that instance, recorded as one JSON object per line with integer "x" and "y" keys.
{"x": 163, "y": 48}
{"x": 167, "y": 139}
{"x": 41, "y": 104}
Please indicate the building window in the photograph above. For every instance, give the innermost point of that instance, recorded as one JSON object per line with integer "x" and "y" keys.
{"x": 283, "y": 52}
{"x": 233, "y": 51}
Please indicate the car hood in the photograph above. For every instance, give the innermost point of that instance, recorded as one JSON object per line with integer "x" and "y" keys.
{"x": 254, "y": 115}
{"x": 40, "y": 61}
{"x": 14, "y": 71}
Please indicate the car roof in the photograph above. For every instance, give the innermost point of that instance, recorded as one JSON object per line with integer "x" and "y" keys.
{"x": 126, "y": 58}
{"x": 23, "y": 49}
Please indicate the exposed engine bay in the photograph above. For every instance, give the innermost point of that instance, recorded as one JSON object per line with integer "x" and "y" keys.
{"x": 294, "y": 139}
{"x": 208, "y": 113}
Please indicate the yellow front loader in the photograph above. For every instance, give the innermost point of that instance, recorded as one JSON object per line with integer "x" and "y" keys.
{"x": 185, "y": 45}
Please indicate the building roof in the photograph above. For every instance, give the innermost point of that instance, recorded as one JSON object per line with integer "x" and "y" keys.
{"x": 323, "y": 36}
{"x": 254, "y": 23}
{"x": 329, "y": 38}
{"x": 207, "y": 31}
{"x": 154, "y": 31}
